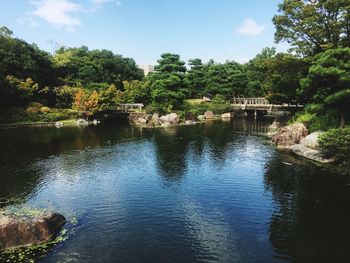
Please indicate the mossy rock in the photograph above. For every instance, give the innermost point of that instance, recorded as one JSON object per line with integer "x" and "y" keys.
{"x": 34, "y": 104}
{"x": 32, "y": 110}
{"x": 45, "y": 110}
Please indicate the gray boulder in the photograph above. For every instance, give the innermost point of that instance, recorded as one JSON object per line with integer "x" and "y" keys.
{"x": 201, "y": 117}
{"x": 142, "y": 121}
{"x": 273, "y": 128}
{"x": 226, "y": 115}
{"x": 169, "y": 120}
{"x": 190, "y": 122}
{"x": 311, "y": 140}
{"x": 299, "y": 149}
{"x": 155, "y": 119}
{"x": 316, "y": 155}
{"x": 82, "y": 122}
{"x": 209, "y": 115}
{"x": 19, "y": 232}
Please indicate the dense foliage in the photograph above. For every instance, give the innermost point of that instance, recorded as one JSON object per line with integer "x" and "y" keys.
{"x": 328, "y": 81}
{"x": 313, "y": 26}
{"x": 90, "y": 81}
{"x": 336, "y": 143}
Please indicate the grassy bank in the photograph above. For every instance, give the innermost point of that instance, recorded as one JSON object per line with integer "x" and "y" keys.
{"x": 36, "y": 114}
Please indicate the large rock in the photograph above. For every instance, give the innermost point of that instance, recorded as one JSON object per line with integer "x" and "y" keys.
{"x": 190, "y": 117}
{"x": 169, "y": 120}
{"x": 201, "y": 117}
{"x": 316, "y": 155}
{"x": 150, "y": 124}
{"x": 226, "y": 115}
{"x": 209, "y": 115}
{"x": 142, "y": 121}
{"x": 311, "y": 140}
{"x": 155, "y": 119}
{"x": 82, "y": 122}
{"x": 18, "y": 232}
{"x": 299, "y": 149}
{"x": 190, "y": 122}
{"x": 273, "y": 128}
{"x": 290, "y": 135}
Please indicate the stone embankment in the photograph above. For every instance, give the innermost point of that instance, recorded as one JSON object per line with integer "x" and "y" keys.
{"x": 172, "y": 119}
{"x": 296, "y": 138}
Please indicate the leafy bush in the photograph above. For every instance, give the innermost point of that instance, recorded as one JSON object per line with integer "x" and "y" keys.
{"x": 316, "y": 118}
{"x": 219, "y": 99}
{"x": 55, "y": 116}
{"x": 324, "y": 122}
{"x": 303, "y": 117}
{"x": 336, "y": 142}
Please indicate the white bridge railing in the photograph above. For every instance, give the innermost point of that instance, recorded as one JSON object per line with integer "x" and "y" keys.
{"x": 251, "y": 101}
{"x": 130, "y": 106}
{"x": 258, "y": 103}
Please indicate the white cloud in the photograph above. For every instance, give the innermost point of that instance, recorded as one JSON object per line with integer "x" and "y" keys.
{"x": 250, "y": 28}
{"x": 101, "y": 2}
{"x": 58, "y": 13}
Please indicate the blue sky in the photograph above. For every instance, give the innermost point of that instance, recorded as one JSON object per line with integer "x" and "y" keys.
{"x": 143, "y": 29}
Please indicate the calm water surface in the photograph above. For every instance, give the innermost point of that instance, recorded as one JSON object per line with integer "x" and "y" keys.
{"x": 216, "y": 192}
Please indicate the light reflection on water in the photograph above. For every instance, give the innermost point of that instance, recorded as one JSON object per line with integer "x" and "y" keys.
{"x": 216, "y": 192}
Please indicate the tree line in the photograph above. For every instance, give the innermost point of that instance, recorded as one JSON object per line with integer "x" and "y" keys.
{"x": 314, "y": 72}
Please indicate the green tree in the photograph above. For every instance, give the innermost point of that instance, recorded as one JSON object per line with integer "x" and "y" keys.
{"x": 137, "y": 91}
{"x": 110, "y": 97}
{"x": 168, "y": 87}
{"x": 282, "y": 77}
{"x": 195, "y": 78}
{"x": 313, "y": 26}
{"x": 328, "y": 81}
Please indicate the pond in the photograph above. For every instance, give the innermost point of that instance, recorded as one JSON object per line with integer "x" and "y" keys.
{"x": 215, "y": 192}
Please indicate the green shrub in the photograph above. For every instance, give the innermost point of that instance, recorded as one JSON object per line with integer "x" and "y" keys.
{"x": 218, "y": 99}
{"x": 336, "y": 143}
{"x": 194, "y": 112}
{"x": 55, "y": 116}
{"x": 317, "y": 120}
{"x": 324, "y": 122}
{"x": 219, "y": 108}
{"x": 314, "y": 108}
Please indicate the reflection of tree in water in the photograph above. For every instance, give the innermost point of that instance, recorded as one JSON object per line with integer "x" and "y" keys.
{"x": 24, "y": 146}
{"x": 311, "y": 220}
{"x": 219, "y": 137}
{"x": 171, "y": 149}
{"x": 21, "y": 151}
{"x": 175, "y": 146}
{"x": 17, "y": 187}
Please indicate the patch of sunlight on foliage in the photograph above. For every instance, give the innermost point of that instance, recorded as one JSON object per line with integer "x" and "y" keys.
{"x": 194, "y": 101}
{"x": 316, "y": 118}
